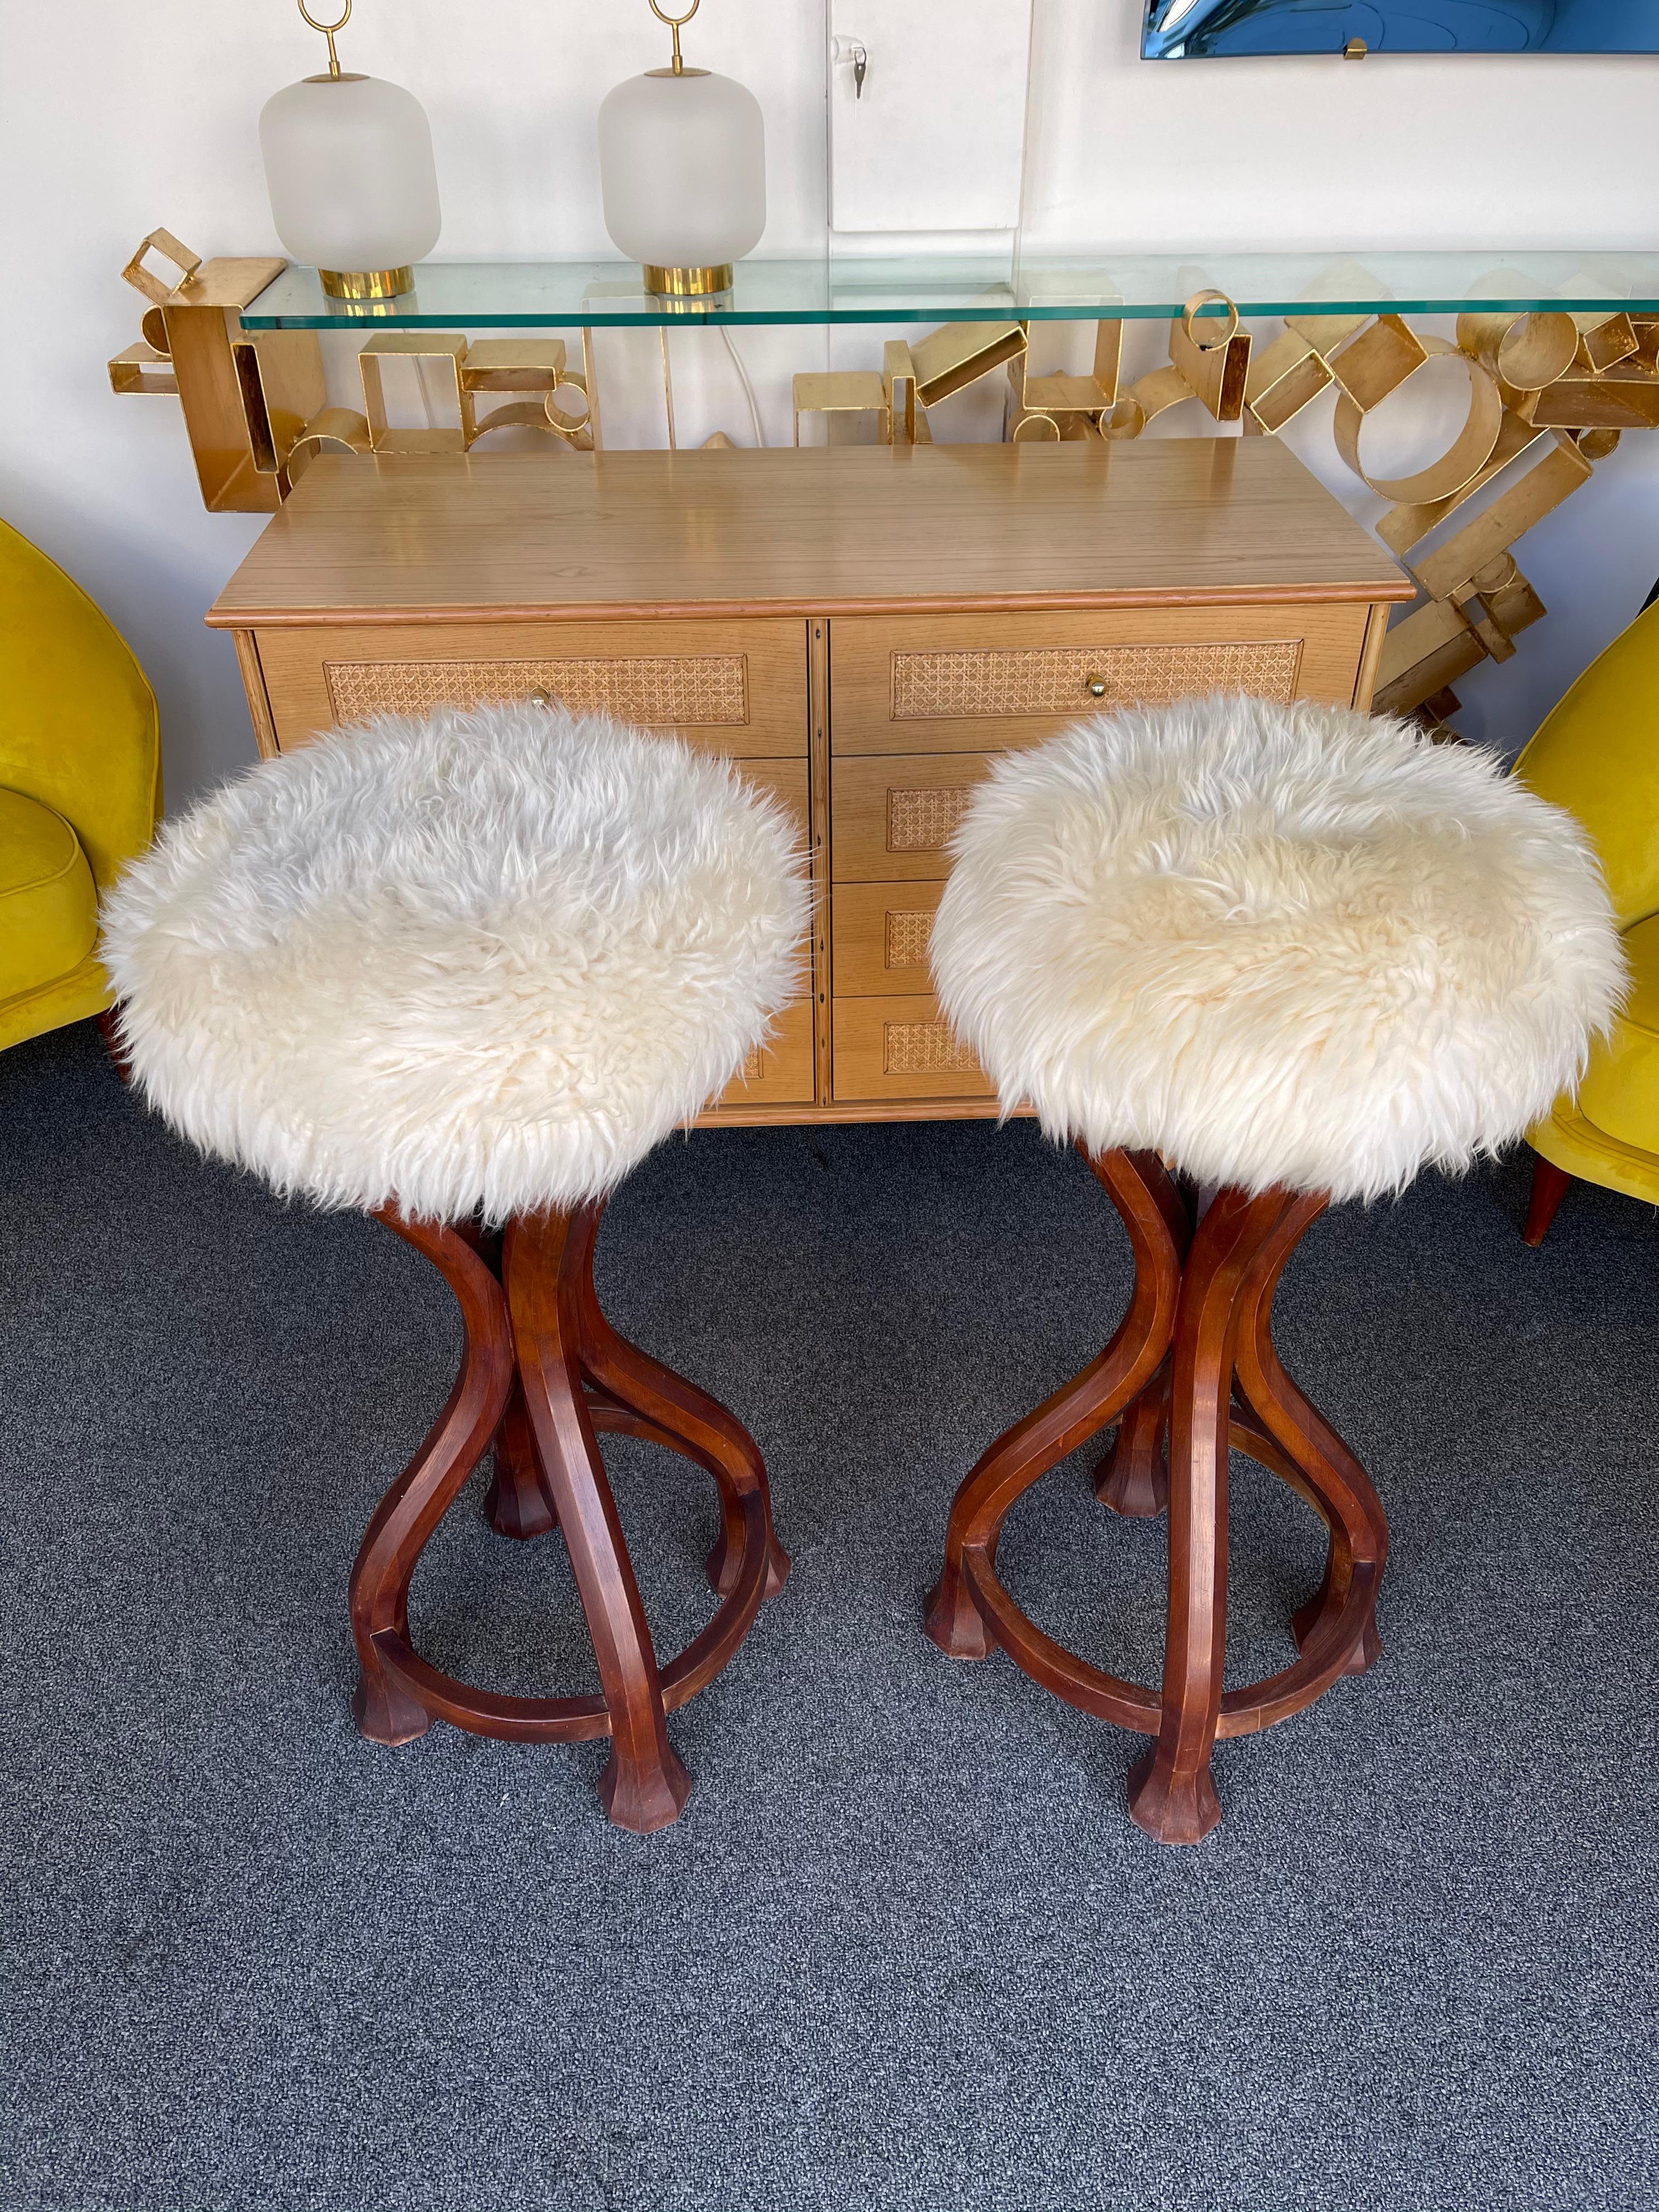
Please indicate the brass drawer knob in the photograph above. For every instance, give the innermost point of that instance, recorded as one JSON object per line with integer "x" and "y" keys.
{"x": 1095, "y": 686}
{"x": 539, "y": 698}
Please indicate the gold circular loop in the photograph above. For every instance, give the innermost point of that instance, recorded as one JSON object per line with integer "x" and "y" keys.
{"x": 1203, "y": 300}
{"x": 1127, "y": 420}
{"x": 672, "y": 22}
{"x": 327, "y": 29}
{"x": 1034, "y": 429}
{"x": 155, "y": 328}
{"x": 567, "y": 425}
{"x": 1463, "y": 460}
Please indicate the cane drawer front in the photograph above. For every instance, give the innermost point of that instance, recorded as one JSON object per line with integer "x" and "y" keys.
{"x": 880, "y": 934}
{"x": 738, "y": 688}
{"x": 781, "y": 1073}
{"x": 893, "y": 816}
{"x": 980, "y": 683}
{"x": 899, "y": 1047}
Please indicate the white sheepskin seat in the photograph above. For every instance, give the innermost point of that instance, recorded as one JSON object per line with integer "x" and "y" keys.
{"x": 479, "y": 963}
{"x": 1281, "y": 946}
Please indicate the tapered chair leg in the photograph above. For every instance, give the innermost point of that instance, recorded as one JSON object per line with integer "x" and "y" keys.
{"x": 1132, "y": 1477}
{"x": 518, "y": 1502}
{"x": 386, "y": 1709}
{"x": 1550, "y": 1185}
{"x": 1171, "y": 1792}
{"x": 644, "y": 1785}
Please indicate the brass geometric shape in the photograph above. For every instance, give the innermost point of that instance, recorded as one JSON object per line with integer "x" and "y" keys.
{"x": 1406, "y": 525}
{"x": 1283, "y": 379}
{"x": 1524, "y": 351}
{"x": 1216, "y": 373}
{"x": 1463, "y": 460}
{"x": 1431, "y": 647}
{"x": 449, "y": 346}
{"x": 843, "y": 391}
{"x": 142, "y": 368}
{"x": 959, "y": 353}
{"x": 1377, "y": 360}
{"x": 1623, "y": 398}
{"x": 1544, "y": 487}
{"x": 161, "y": 242}
{"x": 280, "y": 375}
{"x": 513, "y": 365}
{"x": 1604, "y": 340}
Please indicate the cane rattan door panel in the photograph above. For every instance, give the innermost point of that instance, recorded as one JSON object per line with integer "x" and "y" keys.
{"x": 952, "y": 682}
{"x": 895, "y": 815}
{"x": 736, "y": 688}
{"x": 880, "y": 933}
{"x": 899, "y": 1047}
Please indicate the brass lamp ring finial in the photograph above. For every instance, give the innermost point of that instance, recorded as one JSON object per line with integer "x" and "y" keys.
{"x": 328, "y": 31}
{"x": 673, "y": 23}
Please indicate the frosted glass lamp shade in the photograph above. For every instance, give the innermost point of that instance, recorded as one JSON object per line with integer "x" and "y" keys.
{"x": 354, "y": 189}
{"x": 682, "y": 170}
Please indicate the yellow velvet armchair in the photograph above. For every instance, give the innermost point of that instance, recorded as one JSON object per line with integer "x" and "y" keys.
{"x": 1598, "y": 757}
{"x": 80, "y": 788}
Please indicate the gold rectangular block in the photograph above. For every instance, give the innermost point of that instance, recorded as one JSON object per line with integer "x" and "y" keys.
{"x": 144, "y": 279}
{"x": 1404, "y": 526}
{"x": 140, "y": 368}
{"x": 1216, "y": 376}
{"x": 1543, "y": 488}
{"x": 1604, "y": 340}
{"x": 843, "y": 391}
{"x": 959, "y": 353}
{"x": 1283, "y": 379}
{"x": 1624, "y": 397}
{"x": 512, "y": 364}
{"x": 1377, "y": 360}
{"x": 1430, "y": 649}
{"x": 449, "y": 346}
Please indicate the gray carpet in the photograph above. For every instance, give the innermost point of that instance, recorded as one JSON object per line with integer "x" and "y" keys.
{"x": 905, "y": 1949}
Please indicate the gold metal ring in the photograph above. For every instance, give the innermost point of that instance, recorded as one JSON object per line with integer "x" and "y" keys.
{"x": 1203, "y": 300}
{"x": 1463, "y": 460}
{"x": 673, "y": 22}
{"x": 327, "y": 29}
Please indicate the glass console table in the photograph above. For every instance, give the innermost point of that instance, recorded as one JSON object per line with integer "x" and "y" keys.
{"x": 1131, "y": 287}
{"x": 1560, "y": 351}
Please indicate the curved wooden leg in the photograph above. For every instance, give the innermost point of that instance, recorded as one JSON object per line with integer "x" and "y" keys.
{"x": 1550, "y": 1185}
{"x": 1147, "y": 1199}
{"x": 1132, "y": 1477}
{"x": 1320, "y": 1466}
{"x": 406, "y": 1516}
{"x": 518, "y": 1503}
{"x": 1171, "y": 1793}
{"x": 691, "y": 1420}
{"x": 644, "y": 1786}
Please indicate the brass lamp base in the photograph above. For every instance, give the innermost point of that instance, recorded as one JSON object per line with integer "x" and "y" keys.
{"x": 367, "y": 284}
{"x": 687, "y": 283}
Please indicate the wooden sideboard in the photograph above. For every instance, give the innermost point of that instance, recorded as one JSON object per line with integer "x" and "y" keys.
{"x": 862, "y": 629}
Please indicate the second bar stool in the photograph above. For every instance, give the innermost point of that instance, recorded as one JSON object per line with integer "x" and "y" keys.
{"x": 462, "y": 975}
{"x": 1295, "y": 953}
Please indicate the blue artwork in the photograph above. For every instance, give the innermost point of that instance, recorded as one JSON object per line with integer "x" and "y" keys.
{"x": 1177, "y": 30}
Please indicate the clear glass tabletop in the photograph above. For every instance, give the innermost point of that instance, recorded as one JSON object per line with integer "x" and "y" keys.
{"x": 599, "y": 294}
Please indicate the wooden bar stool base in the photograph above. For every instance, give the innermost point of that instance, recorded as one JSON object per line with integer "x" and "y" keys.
{"x": 1191, "y": 1374}
{"x": 541, "y": 1374}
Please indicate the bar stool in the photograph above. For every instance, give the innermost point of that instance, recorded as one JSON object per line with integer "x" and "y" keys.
{"x": 1292, "y": 954}
{"x": 464, "y": 974}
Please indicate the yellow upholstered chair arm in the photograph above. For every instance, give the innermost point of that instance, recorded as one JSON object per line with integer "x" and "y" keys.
{"x": 77, "y": 718}
{"x": 1597, "y": 755}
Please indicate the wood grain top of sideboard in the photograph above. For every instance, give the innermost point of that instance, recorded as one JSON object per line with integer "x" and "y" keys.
{"x": 836, "y": 530}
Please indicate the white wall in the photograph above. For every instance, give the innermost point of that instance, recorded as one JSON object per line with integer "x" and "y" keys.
{"x": 114, "y": 118}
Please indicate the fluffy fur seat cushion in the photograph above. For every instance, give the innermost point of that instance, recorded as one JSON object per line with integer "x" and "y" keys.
{"x": 1292, "y": 945}
{"x": 485, "y": 961}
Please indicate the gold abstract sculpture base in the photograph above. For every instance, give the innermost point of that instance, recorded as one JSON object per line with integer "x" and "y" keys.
{"x": 367, "y": 284}
{"x": 687, "y": 283}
